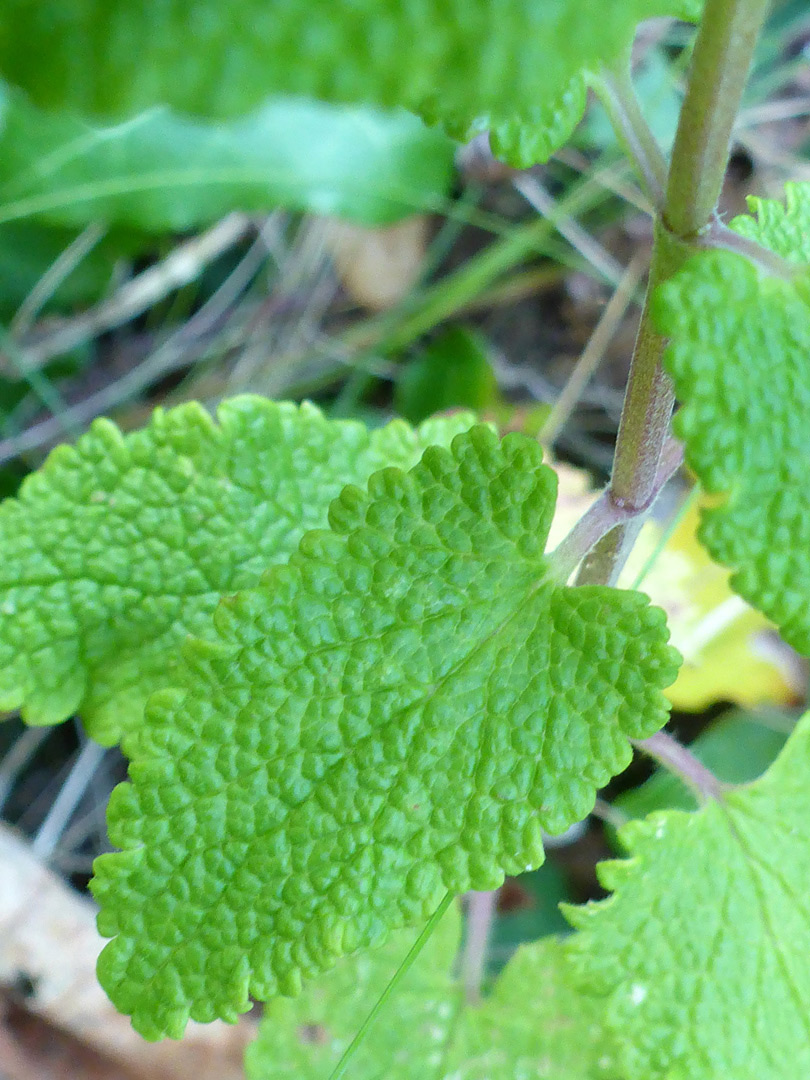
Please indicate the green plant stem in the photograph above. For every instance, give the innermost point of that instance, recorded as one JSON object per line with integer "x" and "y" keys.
{"x": 603, "y": 518}
{"x": 720, "y": 64}
{"x": 401, "y": 972}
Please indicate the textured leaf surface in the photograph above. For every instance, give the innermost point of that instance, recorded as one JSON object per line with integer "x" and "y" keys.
{"x": 465, "y": 64}
{"x": 703, "y": 948}
{"x": 398, "y": 712}
{"x": 739, "y": 358}
{"x": 120, "y": 546}
{"x": 162, "y": 171}
{"x": 535, "y": 1023}
{"x": 730, "y": 652}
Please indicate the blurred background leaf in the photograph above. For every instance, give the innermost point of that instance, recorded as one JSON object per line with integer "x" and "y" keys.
{"x": 159, "y": 171}
{"x": 454, "y": 371}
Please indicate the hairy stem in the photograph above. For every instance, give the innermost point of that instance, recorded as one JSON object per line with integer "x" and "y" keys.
{"x": 602, "y": 519}
{"x": 722, "y": 57}
{"x": 720, "y": 65}
{"x": 675, "y": 757}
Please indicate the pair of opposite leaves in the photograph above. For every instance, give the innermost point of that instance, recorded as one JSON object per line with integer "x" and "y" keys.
{"x": 441, "y": 662}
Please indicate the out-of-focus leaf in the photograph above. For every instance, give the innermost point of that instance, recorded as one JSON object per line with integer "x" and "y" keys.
{"x": 453, "y": 372}
{"x": 161, "y": 171}
{"x": 28, "y": 249}
{"x": 466, "y": 65}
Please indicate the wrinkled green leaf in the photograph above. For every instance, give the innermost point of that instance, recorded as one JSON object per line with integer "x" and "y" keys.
{"x": 163, "y": 171}
{"x": 399, "y": 711}
{"x": 740, "y": 341}
{"x": 499, "y": 63}
{"x": 120, "y": 546}
{"x": 701, "y": 953}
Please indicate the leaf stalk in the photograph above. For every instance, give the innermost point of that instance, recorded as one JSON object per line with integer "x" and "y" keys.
{"x": 681, "y": 761}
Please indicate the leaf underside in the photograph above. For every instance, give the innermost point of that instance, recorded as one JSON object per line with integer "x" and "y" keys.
{"x": 397, "y": 712}
{"x": 701, "y": 952}
{"x": 533, "y": 1024}
{"x": 501, "y": 64}
{"x": 739, "y": 358}
{"x": 119, "y": 547}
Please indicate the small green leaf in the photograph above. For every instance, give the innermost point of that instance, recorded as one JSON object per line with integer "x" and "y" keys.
{"x": 535, "y": 1023}
{"x": 398, "y": 712}
{"x": 120, "y": 546}
{"x": 163, "y": 171}
{"x": 739, "y": 359}
{"x": 504, "y": 63}
{"x": 453, "y": 372}
{"x": 702, "y": 951}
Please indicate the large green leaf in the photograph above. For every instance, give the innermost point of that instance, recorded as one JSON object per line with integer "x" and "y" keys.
{"x": 535, "y": 1024}
{"x": 163, "y": 171}
{"x": 739, "y": 357}
{"x": 120, "y": 546}
{"x": 399, "y": 711}
{"x": 465, "y": 64}
{"x": 702, "y": 951}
